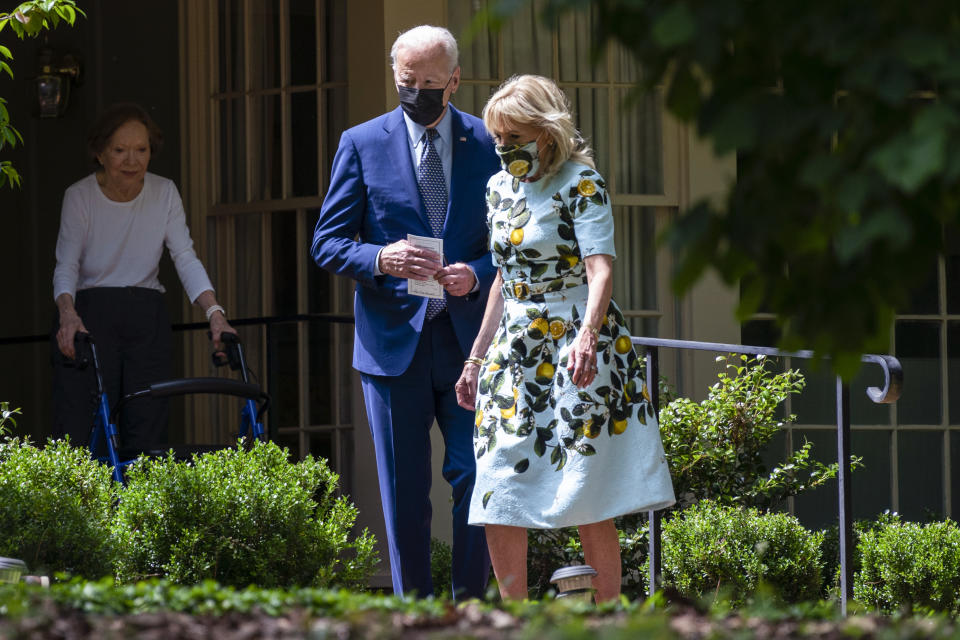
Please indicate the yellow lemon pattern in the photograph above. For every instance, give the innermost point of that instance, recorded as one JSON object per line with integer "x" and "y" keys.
{"x": 518, "y": 168}
{"x": 545, "y": 370}
{"x": 530, "y": 409}
{"x": 557, "y": 329}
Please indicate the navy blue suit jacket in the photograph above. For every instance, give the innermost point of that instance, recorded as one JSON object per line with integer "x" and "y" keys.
{"x": 373, "y": 201}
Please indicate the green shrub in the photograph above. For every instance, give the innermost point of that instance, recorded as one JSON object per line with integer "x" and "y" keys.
{"x": 56, "y": 506}
{"x": 715, "y": 447}
{"x": 911, "y": 567}
{"x": 830, "y": 550}
{"x": 240, "y": 517}
{"x": 441, "y": 568}
{"x": 710, "y": 547}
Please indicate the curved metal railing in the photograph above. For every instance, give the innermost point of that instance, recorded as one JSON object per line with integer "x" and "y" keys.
{"x": 890, "y": 392}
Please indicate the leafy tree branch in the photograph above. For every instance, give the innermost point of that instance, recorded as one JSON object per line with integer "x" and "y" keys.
{"x": 846, "y": 121}
{"x": 29, "y": 19}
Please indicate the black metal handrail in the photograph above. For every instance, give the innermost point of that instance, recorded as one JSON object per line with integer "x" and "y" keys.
{"x": 340, "y": 318}
{"x": 890, "y": 392}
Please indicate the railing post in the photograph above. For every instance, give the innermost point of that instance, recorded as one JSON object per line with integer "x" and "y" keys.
{"x": 271, "y": 382}
{"x": 653, "y": 537}
{"x": 843, "y": 481}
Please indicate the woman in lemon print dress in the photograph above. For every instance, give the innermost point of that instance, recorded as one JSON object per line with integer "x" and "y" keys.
{"x": 565, "y": 434}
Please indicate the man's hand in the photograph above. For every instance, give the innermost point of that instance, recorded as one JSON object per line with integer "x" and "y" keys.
{"x": 405, "y": 260}
{"x": 458, "y": 279}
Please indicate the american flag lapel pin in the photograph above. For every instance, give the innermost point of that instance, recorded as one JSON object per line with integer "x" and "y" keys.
{"x": 463, "y": 138}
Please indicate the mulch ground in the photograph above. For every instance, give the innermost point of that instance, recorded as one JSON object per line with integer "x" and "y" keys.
{"x": 465, "y": 622}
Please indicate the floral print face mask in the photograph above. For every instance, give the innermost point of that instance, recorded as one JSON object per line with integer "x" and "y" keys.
{"x": 520, "y": 160}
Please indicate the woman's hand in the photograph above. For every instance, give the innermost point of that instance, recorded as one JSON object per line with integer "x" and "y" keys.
{"x": 218, "y": 326}
{"x": 70, "y": 324}
{"x": 582, "y": 363}
{"x": 466, "y": 386}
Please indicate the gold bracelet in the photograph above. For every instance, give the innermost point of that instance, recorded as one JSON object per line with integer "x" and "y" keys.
{"x": 592, "y": 329}
{"x": 474, "y": 360}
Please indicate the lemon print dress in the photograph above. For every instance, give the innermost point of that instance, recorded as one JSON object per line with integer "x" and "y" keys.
{"x": 550, "y": 454}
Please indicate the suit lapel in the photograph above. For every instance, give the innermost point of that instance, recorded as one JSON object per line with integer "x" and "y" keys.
{"x": 398, "y": 150}
{"x": 462, "y": 152}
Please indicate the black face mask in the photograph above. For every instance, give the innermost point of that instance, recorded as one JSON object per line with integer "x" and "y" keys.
{"x": 423, "y": 106}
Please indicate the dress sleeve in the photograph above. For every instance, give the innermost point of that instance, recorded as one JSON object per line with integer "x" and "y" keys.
{"x": 180, "y": 245}
{"x": 74, "y": 223}
{"x": 491, "y": 185}
{"x": 592, "y": 214}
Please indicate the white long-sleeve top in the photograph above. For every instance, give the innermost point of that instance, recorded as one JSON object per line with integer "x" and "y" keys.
{"x": 103, "y": 243}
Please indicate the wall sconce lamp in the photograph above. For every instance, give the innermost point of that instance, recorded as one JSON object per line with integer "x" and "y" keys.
{"x": 51, "y": 87}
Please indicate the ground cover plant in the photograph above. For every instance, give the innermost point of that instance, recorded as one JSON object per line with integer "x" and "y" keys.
{"x": 240, "y": 517}
{"x": 80, "y": 609}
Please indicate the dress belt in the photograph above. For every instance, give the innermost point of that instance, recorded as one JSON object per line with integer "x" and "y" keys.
{"x": 520, "y": 289}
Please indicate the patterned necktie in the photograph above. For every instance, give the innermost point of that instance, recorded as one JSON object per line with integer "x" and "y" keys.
{"x": 433, "y": 190}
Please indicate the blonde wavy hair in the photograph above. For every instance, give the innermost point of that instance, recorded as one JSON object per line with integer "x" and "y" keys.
{"x": 535, "y": 101}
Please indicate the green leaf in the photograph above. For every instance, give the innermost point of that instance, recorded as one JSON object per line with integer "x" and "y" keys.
{"x": 673, "y": 27}
{"x": 539, "y": 447}
{"x": 910, "y": 159}
{"x": 522, "y": 466}
{"x": 887, "y": 223}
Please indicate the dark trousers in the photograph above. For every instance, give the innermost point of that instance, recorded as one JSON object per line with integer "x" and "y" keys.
{"x": 131, "y": 330}
{"x": 401, "y": 410}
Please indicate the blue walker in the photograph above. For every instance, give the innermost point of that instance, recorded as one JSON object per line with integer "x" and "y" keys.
{"x": 251, "y": 421}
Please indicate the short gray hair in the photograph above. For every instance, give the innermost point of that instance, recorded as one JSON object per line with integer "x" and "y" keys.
{"x": 424, "y": 37}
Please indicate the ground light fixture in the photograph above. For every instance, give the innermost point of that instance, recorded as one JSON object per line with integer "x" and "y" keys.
{"x": 575, "y": 582}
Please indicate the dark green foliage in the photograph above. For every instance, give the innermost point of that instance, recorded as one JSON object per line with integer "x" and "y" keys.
{"x": 547, "y": 551}
{"x": 830, "y": 550}
{"x": 7, "y": 421}
{"x": 910, "y": 567}
{"x": 441, "y": 567}
{"x": 710, "y": 547}
{"x": 240, "y": 517}
{"x": 55, "y": 508}
{"x": 715, "y": 447}
{"x": 846, "y": 121}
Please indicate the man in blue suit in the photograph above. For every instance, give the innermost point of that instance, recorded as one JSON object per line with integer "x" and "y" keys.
{"x": 420, "y": 169}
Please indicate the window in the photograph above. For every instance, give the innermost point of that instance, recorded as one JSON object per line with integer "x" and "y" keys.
{"x": 275, "y": 102}
{"x": 911, "y": 448}
{"x": 635, "y": 144}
